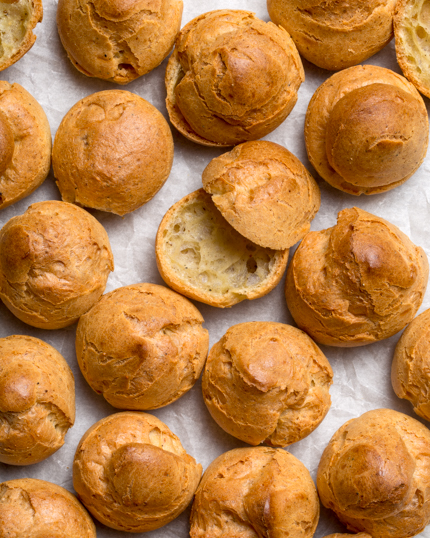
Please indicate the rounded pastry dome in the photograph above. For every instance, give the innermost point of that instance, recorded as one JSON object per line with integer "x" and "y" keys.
{"x": 366, "y": 130}
{"x": 132, "y": 474}
{"x": 374, "y": 477}
{"x": 156, "y": 344}
{"x": 264, "y": 192}
{"x": 267, "y": 382}
{"x": 360, "y": 281}
{"x": 231, "y": 78}
{"x": 118, "y": 40}
{"x": 255, "y": 491}
{"x": 113, "y": 151}
{"x": 54, "y": 263}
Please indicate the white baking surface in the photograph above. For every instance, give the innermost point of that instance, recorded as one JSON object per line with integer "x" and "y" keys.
{"x": 361, "y": 375}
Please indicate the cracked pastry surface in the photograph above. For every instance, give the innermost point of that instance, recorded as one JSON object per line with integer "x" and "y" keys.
{"x": 38, "y": 509}
{"x": 366, "y": 130}
{"x": 264, "y": 192}
{"x": 54, "y": 263}
{"x": 200, "y": 255}
{"x": 231, "y": 78}
{"x": 374, "y": 474}
{"x": 255, "y": 492}
{"x": 411, "y": 365}
{"x": 25, "y": 143}
{"x": 267, "y": 382}
{"x": 118, "y": 40}
{"x": 358, "y": 282}
{"x": 113, "y": 151}
{"x": 37, "y": 400}
{"x": 18, "y": 20}
{"x": 132, "y": 474}
{"x": 141, "y": 346}
{"x": 412, "y": 32}
{"x": 335, "y": 34}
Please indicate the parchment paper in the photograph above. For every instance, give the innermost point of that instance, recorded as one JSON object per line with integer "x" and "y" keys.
{"x": 361, "y": 375}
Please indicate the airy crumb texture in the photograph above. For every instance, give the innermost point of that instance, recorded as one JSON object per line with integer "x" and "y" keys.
{"x": 201, "y": 256}
{"x": 231, "y": 78}
{"x": 37, "y": 400}
{"x": 410, "y": 373}
{"x": 250, "y": 492}
{"x": 118, "y": 40}
{"x": 25, "y": 144}
{"x": 335, "y": 34}
{"x": 264, "y": 192}
{"x": 113, "y": 151}
{"x": 267, "y": 382}
{"x": 17, "y": 21}
{"x": 412, "y": 31}
{"x": 374, "y": 474}
{"x": 366, "y": 130}
{"x": 54, "y": 263}
{"x": 35, "y": 508}
{"x": 361, "y": 281}
{"x": 141, "y": 346}
{"x": 132, "y": 474}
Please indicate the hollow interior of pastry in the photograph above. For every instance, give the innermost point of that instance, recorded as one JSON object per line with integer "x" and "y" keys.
{"x": 417, "y": 33}
{"x": 14, "y": 19}
{"x": 204, "y": 250}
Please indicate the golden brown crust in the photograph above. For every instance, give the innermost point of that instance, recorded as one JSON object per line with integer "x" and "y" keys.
{"x": 361, "y": 281}
{"x": 54, "y": 263}
{"x": 264, "y": 192}
{"x": 267, "y": 382}
{"x": 155, "y": 343}
{"x": 113, "y": 151}
{"x": 335, "y": 34}
{"x": 255, "y": 491}
{"x": 132, "y": 474}
{"x": 37, "y": 400}
{"x": 201, "y": 256}
{"x": 366, "y": 130}
{"x": 345, "y": 535}
{"x": 374, "y": 474}
{"x": 118, "y": 40}
{"x": 231, "y": 78}
{"x": 38, "y": 509}
{"x": 412, "y": 42}
{"x": 25, "y": 14}
{"x": 25, "y": 137}
{"x": 411, "y": 365}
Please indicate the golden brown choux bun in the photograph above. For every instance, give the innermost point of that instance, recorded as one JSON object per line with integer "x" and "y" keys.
{"x": 231, "y": 78}
{"x": 155, "y": 343}
{"x": 113, "y": 151}
{"x": 255, "y": 492}
{"x": 374, "y": 474}
{"x": 18, "y": 20}
{"x": 267, "y": 382}
{"x": 264, "y": 192}
{"x": 33, "y": 508}
{"x": 132, "y": 474}
{"x": 201, "y": 256}
{"x": 335, "y": 34}
{"x": 412, "y": 42}
{"x": 37, "y": 400}
{"x": 366, "y": 130}
{"x": 54, "y": 263}
{"x": 360, "y": 281}
{"x": 411, "y": 365}
{"x": 118, "y": 40}
{"x": 25, "y": 143}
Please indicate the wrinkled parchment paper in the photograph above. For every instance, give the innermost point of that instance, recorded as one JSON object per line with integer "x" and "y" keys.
{"x": 361, "y": 375}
